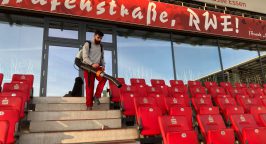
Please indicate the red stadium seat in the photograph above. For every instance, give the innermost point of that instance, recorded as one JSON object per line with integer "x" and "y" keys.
{"x": 17, "y": 87}
{"x": 12, "y": 116}
{"x": 215, "y": 91}
{"x": 152, "y": 89}
{"x": 128, "y": 93}
{"x": 232, "y": 110}
{"x": 201, "y": 102}
{"x": 208, "y": 85}
{"x": 174, "y": 83}
{"x": 177, "y": 126}
{"x": 24, "y": 77}
{"x": 12, "y": 103}
{"x": 246, "y": 103}
{"x": 144, "y": 101}
{"x": 160, "y": 101}
{"x": 182, "y": 111}
{"x": 164, "y": 89}
{"x": 148, "y": 120}
{"x": 136, "y": 81}
{"x": 115, "y": 91}
{"x": 202, "y": 96}
{"x": 254, "y": 92}
{"x": 226, "y": 85}
{"x": 254, "y": 85}
{"x": 208, "y": 110}
{"x": 176, "y": 102}
{"x": 237, "y": 91}
{"x": 177, "y": 89}
{"x": 4, "y": 125}
{"x": 193, "y": 83}
{"x": 214, "y": 130}
{"x": 197, "y": 90}
{"x": 247, "y": 129}
{"x": 185, "y": 96}
{"x": 256, "y": 111}
{"x": 240, "y": 85}
{"x": 225, "y": 102}
{"x": 157, "y": 82}
{"x": 1, "y": 80}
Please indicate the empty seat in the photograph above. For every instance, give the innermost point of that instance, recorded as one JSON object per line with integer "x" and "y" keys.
{"x": 177, "y": 89}
{"x": 174, "y": 83}
{"x": 254, "y": 85}
{"x": 199, "y": 102}
{"x": 157, "y": 82}
{"x": 24, "y": 77}
{"x": 199, "y": 95}
{"x": 185, "y": 96}
{"x": 4, "y": 125}
{"x": 16, "y": 94}
{"x": 12, "y": 103}
{"x": 141, "y": 90}
{"x": 225, "y": 102}
{"x": 17, "y": 87}
{"x": 177, "y": 102}
{"x": 115, "y": 91}
{"x": 254, "y": 92}
{"x": 147, "y": 119}
{"x": 226, "y": 85}
{"x": 240, "y": 85}
{"x": 144, "y": 101}
{"x": 159, "y": 98}
{"x": 1, "y": 80}
{"x": 137, "y": 81}
{"x": 128, "y": 93}
{"x": 182, "y": 111}
{"x": 208, "y": 85}
{"x": 194, "y": 83}
{"x": 164, "y": 89}
{"x": 152, "y": 89}
{"x": 178, "y": 127}
{"x": 247, "y": 129}
{"x": 197, "y": 90}
{"x": 232, "y": 110}
{"x": 214, "y": 130}
{"x": 256, "y": 111}
{"x": 208, "y": 110}
{"x": 237, "y": 91}
{"x": 246, "y": 103}
{"x": 215, "y": 91}
{"x": 12, "y": 116}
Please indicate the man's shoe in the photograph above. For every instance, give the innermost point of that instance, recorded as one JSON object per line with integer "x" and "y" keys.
{"x": 96, "y": 101}
{"x": 89, "y": 108}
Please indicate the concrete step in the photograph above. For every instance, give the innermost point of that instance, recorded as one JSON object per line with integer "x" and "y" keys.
{"x": 80, "y": 136}
{"x": 74, "y": 115}
{"x": 58, "y": 100}
{"x": 69, "y": 107}
{"x": 56, "y": 126}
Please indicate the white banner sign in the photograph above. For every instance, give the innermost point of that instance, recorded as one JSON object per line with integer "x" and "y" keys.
{"x": 249, "y": 5}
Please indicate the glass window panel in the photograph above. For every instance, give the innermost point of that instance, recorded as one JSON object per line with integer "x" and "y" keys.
{"x": 21, "y": 49}
{"x": 146, "y": 58}
{"x": 61, "y": 70}
{"x": 63, "y": 30}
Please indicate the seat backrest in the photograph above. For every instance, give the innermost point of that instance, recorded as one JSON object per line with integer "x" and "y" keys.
{"x": 177, "y": 102}
{"x": 237, "y": 91}
{"x": 24, "y": 77}
{"x": 256, "y": 111}
{"x": 148, "y": 118}
{"x": 4, "y": 125}
{"x": 252, "y": 92}
{"x": 127, "y": 103}
{"x": 157, "y": 82}
{"x": 12, "y": 116}
{"x": 137, "y": 81}
{"x": 182, "y": 111}
{"x": 240, "y": 121}
{"x": 214, "y": 91}
{"x": 208, "y": 110}
{"x": 194, "y": 83}
{"x": 17, "y": 87}
{"x": 209, "y": 84}
{"x": 144, "y": 101}
{"x": 177, "y": 89}
{"x": 197, "y": 90}
{"x": 240, "y": 85}
{"x": 210, "y": 122}
{"x": 159, "y": 98}
{"x": 174, "y": 83}
{"x": 174, "y": 123}
{"x": 226, "y": 85}
{"x": 152, "y": 89}
{"x": 224, "y": 102}
{"x": 12, "y": 103}
{"x": 254, "y": 85}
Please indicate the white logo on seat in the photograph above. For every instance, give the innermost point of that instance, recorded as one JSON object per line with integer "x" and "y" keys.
{"x": 2, "y": 113}
{"x": 175, "y": 101}
{"x": 173, "y": 121}
{"x": 152, "y": 89}
{"x": 131, "y": 95}
{"x": 128, "y": 88}
{"x": 242, "y": 118}
{"x": 157, "y": 95}
{"x": 176, "y": 82}
{"x": 202, "y": 101}
{"x": 157, "y": 82}
{"x": 222, "y": 132}
{"x": 226, "y": 101}
{"x": 256, "y": 131}
{"x": 210, "y": 118}
{"x": 182, "y": 109}
{"x": 176, "y": 89}
{"x": 5, "y": 101}
{"x": 183, "y": 135}
{"x": 16, "y": 86}
{"x": 151, "y": 109}
{"x": 23, "y": 77}
{"x": 235, "y": 108}
{"x": 13, "y": 94}
{"x": 145, "y": 100}
{"x": 210, "y": 109}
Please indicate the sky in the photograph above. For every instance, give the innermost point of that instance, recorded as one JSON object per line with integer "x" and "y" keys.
{"x": 21, "y": 51}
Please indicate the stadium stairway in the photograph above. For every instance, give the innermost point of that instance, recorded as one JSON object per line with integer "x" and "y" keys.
{"x": 65, "y": 120}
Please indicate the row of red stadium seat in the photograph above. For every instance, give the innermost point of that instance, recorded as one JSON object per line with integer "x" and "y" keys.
{"x": 13, "y": 101}
{"x": 174, "y": 112}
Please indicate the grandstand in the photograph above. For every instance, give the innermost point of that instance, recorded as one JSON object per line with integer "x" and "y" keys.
{"x": 192, "y": 72}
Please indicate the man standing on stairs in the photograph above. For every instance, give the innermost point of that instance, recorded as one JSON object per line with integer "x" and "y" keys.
{"x": 92, "y": 54}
